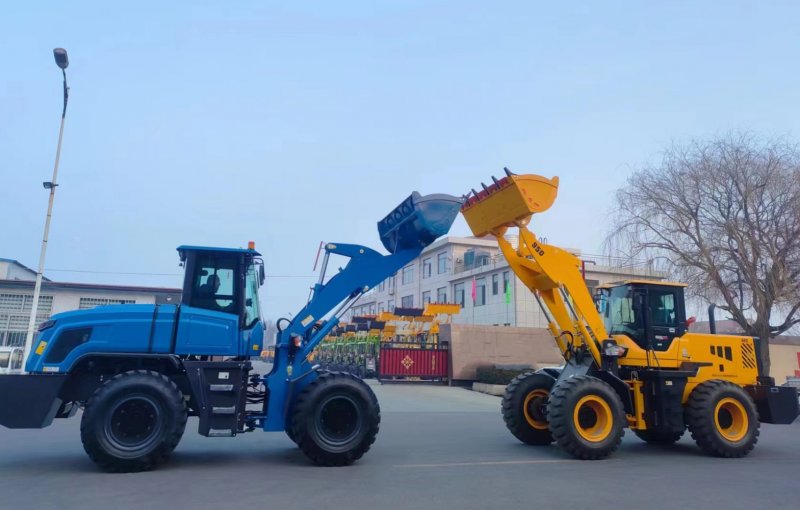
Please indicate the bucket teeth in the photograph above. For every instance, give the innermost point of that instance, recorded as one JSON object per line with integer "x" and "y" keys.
{"x": 508, "y": 201}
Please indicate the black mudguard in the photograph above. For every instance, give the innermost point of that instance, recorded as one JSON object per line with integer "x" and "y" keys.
{"x": 30, "y": 401}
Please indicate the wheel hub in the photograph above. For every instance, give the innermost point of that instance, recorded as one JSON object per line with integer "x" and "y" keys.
{"x": 133, "y": 422}
{"x": 338, "y": 420}
{"x": 731, "y": 420}
{"x": 593, "y": 418}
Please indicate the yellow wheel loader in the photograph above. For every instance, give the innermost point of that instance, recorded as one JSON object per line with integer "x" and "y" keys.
{"x": 629, "y": 359}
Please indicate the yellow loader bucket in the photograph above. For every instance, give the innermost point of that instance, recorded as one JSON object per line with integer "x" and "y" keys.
{"x": 509, "y": 201}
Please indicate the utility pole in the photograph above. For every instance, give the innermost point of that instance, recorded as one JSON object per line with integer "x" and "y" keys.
{"x": 62, "y": 61}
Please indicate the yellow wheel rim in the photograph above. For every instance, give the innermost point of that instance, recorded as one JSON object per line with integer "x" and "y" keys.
{"x": 730, "y": 418}
{"x": 593, "y": 418}
{"x": 532, "y": 399}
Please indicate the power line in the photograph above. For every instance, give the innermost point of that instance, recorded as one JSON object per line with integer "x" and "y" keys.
{"x": 161, "y": 274}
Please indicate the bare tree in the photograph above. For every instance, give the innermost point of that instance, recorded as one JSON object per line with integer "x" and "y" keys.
{"x": 724, "y": 215}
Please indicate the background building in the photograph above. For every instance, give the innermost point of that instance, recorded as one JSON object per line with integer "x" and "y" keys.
{"x": 444, "y": 273}
{"x": 16, "y": 297}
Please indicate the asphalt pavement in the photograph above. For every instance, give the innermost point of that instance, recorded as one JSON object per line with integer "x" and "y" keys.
{"x": 438, "y": 448}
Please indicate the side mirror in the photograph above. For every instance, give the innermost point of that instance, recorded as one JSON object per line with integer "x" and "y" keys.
{"x": 690, "y": 321}
{"x": 261, "y": 275}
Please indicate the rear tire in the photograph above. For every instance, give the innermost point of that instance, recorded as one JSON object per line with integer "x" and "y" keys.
{"x": 133, "y": 422}
{"x": 335, "y": 419}
{"x": 524, "y": 408}
{"x": 723, "y": 419}
{"x": 655, "y": 436}
{"x": 586, "y": 417}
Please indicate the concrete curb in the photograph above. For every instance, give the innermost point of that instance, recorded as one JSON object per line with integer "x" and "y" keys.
{"x": 492, "y": 389}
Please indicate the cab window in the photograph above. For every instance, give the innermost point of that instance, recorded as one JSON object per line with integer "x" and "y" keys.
{"x": 621, "y": 316}
{"x": 251, "y": 307}
{"x": 214, "y": 283}
{"x": 662, "y": 308}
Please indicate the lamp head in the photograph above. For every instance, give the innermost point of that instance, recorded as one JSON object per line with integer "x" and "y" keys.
{"x": 60, "y": 55}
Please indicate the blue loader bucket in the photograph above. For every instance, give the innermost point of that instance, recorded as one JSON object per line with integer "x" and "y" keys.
{"x": 418, "y": 221}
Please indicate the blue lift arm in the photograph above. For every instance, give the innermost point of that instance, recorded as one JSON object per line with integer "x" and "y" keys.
{"x": 404, "y": 232}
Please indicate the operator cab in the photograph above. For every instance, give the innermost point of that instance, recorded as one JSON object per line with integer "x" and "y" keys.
{"x": 223, "y": 280}
{"x": 650, "y": 313}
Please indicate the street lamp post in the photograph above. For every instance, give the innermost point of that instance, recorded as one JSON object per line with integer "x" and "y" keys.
{"x": 62, "y": 61}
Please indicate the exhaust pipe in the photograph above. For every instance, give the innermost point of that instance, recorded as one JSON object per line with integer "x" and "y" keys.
{"x": 712, "y": 323}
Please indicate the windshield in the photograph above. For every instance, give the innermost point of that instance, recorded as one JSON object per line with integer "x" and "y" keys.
{"x": 620, "y": 316}
{"x": 252, "y": 308}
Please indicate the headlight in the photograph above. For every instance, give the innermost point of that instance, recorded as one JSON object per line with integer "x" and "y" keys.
{"x": 46, "y": 325}
{"x": 613, "y": 350}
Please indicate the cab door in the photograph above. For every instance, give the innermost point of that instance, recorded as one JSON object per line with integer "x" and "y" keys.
{"x": 664, "y": 314}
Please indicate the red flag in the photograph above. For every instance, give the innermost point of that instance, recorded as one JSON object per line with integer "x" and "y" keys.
{"x": 474, "y": 290}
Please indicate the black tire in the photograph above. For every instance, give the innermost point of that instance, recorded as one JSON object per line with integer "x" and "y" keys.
{"x": 133, "y": 422}
{"x": 335, "y": 419}
{"x": 723, "y": 419}
{"x": 586, "y": 417}
{"x": 524, "y": 408}
{"x": 655, "y": 436}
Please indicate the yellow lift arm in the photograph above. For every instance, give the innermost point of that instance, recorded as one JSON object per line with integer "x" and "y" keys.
{"x": 551, "y": 273}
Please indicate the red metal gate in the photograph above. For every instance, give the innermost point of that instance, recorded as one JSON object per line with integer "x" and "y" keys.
{"x": 407, "y": 362}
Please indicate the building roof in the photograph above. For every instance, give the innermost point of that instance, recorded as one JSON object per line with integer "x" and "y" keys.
{"x": 23, "y": 266}
{"x": 469, "y": 241}
{"x": 785, "y": 340}
{"x": 724, "y": 326}
{"x": 89, "y": 286}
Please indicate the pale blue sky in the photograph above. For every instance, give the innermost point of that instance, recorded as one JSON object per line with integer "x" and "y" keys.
{"x": 220, "y": 122}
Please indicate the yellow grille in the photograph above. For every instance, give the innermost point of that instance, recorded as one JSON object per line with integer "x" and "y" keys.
{"x": 748, "y": 354}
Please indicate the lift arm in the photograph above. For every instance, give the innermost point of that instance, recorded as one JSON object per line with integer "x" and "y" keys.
{"x": 365, "y": 269}
{"x": 551, "y": 273}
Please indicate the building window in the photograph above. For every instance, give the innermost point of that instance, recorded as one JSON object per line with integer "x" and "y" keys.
{"x": 22, "y": 303}
{"x": 408, "y": 275}
{"x": 458, "y": 290}
{"x": 480, "y": 292}
{"x": 441, "y": 261}
{"x": 87, "y": 302}
{"x": 15, "y": 310}
{"x": 407, "y": 301}
{"x": 441, "y": 295}
{"x": 381, "y": 307}
{"x": 495, "y": 284}
{"x": 426, "y": 268}
{"x": 426, "y": 297}
{"x": 391, "y": 283}
{"x": 382, "y": 286}
{"x": 390, "y": 307}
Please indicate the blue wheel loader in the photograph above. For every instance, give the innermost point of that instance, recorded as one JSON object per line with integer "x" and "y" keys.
{"x": 138, "y": 372}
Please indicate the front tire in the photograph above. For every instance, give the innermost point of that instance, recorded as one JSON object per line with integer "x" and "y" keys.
{"x": 722, "y": 419}
{"x": 586, "y": 417}
{"x": 524, "y": 408}
{"x": 335, "y": 419}
{"x": 133, "y": 422}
